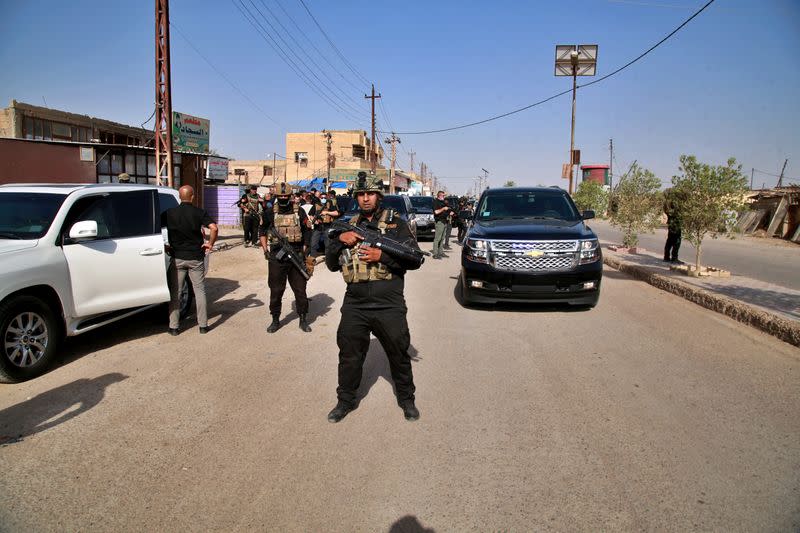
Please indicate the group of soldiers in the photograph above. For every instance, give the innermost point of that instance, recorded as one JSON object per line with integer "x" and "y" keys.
{"x": 373, "y": 251}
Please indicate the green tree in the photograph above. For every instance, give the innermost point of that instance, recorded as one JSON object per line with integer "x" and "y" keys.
{"x": 707, "y": 199}
{"x": 510, "y": 183}
{"x": 591, "y": 195}
{"x": 636, "y": 204}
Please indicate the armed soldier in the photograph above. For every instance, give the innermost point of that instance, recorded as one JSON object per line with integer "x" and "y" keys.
{"x": 373, "y": 301}
{"x": 325, "y": 214}
{"x": 287, "y": 229}
{"x": 251, "y": 215}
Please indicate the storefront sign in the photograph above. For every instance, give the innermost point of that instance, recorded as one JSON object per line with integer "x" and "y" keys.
{"x": 190, "y": 133}
{"x": 217, "y": 169}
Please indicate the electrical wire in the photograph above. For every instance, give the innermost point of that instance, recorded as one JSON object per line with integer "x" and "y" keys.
{"x": 335, "y": 49}
{"x": 223, "y": 76}
{"x": 540, "y": 102}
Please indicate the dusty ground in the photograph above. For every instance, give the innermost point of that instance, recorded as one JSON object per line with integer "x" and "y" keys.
{"x": 646, "y": 413}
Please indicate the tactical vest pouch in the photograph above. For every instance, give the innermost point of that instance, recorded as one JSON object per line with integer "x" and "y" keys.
{"x": 288, "y": 225}
{"x": 356, "y": 271}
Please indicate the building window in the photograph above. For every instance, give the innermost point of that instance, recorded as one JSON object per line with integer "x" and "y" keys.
{"x": 267, "y": 170}
{"x": 28, "y": 127}
{"x": 359, "y": 151}
{"x": 300, "y": 156}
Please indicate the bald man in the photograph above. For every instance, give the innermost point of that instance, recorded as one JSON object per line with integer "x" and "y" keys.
{"x": 188, "y": 249}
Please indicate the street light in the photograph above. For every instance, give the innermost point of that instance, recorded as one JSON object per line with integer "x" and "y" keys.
{"x": 575, "y": 60}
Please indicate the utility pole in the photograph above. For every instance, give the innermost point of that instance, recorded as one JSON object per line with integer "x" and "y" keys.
{"x": 611, "y": 164}
{"x": 411, "y": 158}
{"x": 328, "y": 143}
{"x": 485, "y": 184}
{"x": 372, "y": 152}
{"x": 163, "y": 126}
{"x": 780, "y": 180}
{"x": 393, "y": 140}
{"x": 574, "y": 58}
{"x": 752, "y": 172}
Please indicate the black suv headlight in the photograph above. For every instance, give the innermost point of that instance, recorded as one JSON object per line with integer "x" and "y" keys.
{"x": 477, "y": 250}
{"x": 590, "y": 251}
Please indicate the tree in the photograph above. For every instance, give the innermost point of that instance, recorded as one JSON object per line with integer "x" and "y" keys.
{"x": 510, "y": 183}
{"x": 707, "y": 199}
{"x": 636, "y": 204}
{"x": 591, "y": 195}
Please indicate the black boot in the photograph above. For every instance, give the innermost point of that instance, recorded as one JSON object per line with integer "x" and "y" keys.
{"x": 275, "y": 325}
{"x": 410, "y": 410}
{"x": 339, "y": 412}
{"x": 304, "y": 324}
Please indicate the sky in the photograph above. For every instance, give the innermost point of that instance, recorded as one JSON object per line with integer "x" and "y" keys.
{"x": 725, "y": 86}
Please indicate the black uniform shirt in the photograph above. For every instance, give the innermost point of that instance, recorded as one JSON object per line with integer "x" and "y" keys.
{"x": 439, "y": 217}
{"x": 268, "y": 219}
{"x": 379, "y": 294}
{"x": 183, "y": 224}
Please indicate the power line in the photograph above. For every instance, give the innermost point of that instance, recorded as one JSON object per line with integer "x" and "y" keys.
{"x": 335, "y": 49}
{"x": 540, "y": 102}
{"x": 343, "y": 100}
{"x": 223, "y": 76}
{"x": 264, "y": 34}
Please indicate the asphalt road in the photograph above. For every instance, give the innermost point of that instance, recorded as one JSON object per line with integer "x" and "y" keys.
{"x": 646, "y": 413}
{"x": 770, "y": 260}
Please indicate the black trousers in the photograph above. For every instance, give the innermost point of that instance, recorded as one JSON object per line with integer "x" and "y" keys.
{"x": 251, "y": 223}
{"x": 391, "y": 329}
{"x": 462, "y": 231}
{"x": 673, "y": 245}
{"x": 279, "y": 272}
{"x": 448, "y": 228}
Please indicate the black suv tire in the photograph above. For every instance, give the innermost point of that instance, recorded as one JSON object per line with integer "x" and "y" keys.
{"x": 41, "y": 341}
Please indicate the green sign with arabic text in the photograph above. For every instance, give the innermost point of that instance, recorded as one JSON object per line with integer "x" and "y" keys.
{"x": 190, "y": 133}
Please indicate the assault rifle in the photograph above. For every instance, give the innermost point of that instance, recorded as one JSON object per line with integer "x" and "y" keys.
{"x": 376, "y": 240}
{"x": 286, "y": 250}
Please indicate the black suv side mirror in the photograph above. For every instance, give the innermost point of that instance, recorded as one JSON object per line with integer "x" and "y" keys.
{"x": 586, "y": 215}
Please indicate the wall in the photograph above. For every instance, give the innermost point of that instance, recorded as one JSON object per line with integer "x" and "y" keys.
{"x": 315, "y": 145}
{"x": 6, "y": 123}
{"x": 255, "y": 171}
{"x": 219, "y": 202}
{"x": 41, "y": 162}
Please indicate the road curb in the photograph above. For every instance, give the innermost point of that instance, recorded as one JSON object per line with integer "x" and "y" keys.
{"x": 777, "y": 326}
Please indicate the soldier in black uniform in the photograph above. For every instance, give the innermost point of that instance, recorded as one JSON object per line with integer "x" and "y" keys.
{"x": 292, "y": 222}
{"x": 373, "y": 301}
{"x": 252, "y": 216}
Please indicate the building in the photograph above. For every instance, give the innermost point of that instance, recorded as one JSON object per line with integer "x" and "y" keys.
{"x": 42, "y": 145}
{"x": 307, "y": 154}
{"x": 598, "y": 173}
{"x": 258, "y": 171}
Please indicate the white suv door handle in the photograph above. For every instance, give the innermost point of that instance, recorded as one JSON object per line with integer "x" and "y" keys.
{"x": 152, "y": 251}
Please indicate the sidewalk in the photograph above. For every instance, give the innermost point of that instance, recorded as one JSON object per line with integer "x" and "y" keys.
{"x": 771, "y": 308}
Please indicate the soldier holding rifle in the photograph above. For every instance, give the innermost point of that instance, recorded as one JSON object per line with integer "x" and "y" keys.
{"x": 373, "y": 252}
{"x": 287, "y": 229}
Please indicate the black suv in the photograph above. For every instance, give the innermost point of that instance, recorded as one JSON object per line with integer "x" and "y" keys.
{"x": 530, "y": 244}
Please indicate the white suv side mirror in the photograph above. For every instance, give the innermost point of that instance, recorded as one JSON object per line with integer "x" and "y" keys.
{"x": 85, "y": 229}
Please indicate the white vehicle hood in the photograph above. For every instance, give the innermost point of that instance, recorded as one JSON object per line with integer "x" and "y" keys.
{"x": 11, "y": 245}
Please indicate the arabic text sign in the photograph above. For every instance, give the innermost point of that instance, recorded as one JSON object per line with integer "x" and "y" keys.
{"x": 190, "y": 133}
{"x": 217, "y": 169}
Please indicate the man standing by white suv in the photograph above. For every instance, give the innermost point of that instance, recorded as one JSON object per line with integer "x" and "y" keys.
{"x": 184, "y": 225}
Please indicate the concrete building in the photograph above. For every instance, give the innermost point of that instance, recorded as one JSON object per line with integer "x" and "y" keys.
{"x": 306, "y": 154}
{"x": 257, "y": 171}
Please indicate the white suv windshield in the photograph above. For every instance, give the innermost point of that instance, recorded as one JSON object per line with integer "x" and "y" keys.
{"x": 26, "y": 215}
{"x": 529, "y": 204}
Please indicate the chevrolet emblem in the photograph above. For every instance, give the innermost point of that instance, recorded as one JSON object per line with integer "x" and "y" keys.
{"x": 534, "y": 253}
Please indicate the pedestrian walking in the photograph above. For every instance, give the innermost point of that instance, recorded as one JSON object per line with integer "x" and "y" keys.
{"x": 188, "y": 250}
{"x": 374, "y": 301}
{"x": 284, "y": 253}
{"x": 673, "y": 244}
{"x": 441, "y": 212}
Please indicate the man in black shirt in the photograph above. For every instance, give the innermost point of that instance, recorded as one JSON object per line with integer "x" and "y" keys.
{"x": 441, "y": 214}
{"x": 293, "y": 224}
{"x": 373, "y": 301}
{"x": 184, "y": 225}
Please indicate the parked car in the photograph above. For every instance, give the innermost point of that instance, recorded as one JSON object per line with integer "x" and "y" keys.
{"x": 530, "y": 245}
{"x": 74, "y": 258}
{"x": 423, "y": 207}
{"x": 399, "y": 203}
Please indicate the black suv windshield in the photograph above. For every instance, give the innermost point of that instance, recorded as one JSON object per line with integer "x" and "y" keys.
{"x": 27, "y": 215}
{"x": 554, "y": 205}
{"x": 423, "y": 204}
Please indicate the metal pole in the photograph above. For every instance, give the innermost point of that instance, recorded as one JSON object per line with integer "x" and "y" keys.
{"x": 780, "y": 180}
{"x": 752, "y": 172}
{"x": 572, "y": 129}
{"x": 163, "y": 125}
{"x": 611, "y": 164}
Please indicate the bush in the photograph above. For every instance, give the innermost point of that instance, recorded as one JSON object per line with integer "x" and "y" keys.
{"x": 591, "y": 195}
{"x": 636, "y": 204}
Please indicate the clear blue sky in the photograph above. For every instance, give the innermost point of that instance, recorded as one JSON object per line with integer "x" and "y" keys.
{"x": 726, "y": 85}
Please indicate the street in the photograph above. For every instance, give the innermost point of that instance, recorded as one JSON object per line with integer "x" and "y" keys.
{"x": 646, "y": 413}
{"x": 770, "y": 260}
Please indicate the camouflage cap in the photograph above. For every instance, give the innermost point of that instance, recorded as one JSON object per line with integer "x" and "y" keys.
{"x": 366, "y": 183}
{"x": 283, "y": 189}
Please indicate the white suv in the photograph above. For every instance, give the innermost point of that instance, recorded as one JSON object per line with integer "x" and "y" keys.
{"x": 74, "y": 258}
